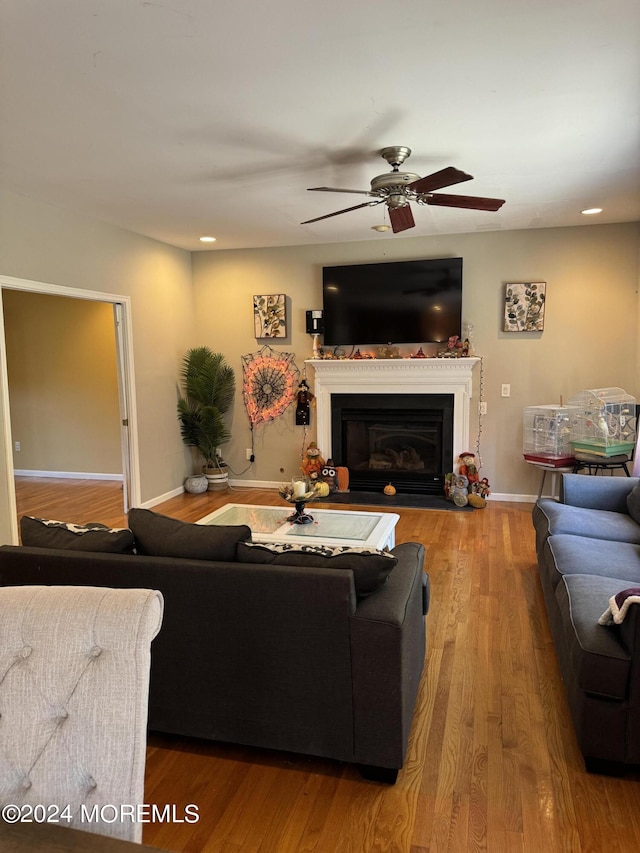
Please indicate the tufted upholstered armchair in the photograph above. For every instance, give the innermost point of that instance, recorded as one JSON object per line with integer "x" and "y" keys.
{"x": 74, "y": 684}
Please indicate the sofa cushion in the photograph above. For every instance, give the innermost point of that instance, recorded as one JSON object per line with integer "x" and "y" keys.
{"x": 370, "y": 568}
{"x": 158, "y": 535}
{"x": 633, "y": 503}
{"x": 600, "y": 661}
{"x": 551, "y": 517}
{"x": 565, "y": 554}
{"x": 47, "y": 533}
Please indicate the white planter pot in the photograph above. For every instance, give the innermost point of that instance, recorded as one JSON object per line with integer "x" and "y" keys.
{"x": 217, "y": 478}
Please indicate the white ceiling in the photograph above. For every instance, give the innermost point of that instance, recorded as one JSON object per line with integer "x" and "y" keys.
{"x": 177, "y": 118}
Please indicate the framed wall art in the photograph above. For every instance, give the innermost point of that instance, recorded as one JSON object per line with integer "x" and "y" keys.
{"x": 524, "y": 303}
{"x": 270, "y": 315}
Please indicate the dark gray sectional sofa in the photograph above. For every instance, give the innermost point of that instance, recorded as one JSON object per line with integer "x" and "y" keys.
{"x": 302, "y": 654}
{"x": 588, "y": 548}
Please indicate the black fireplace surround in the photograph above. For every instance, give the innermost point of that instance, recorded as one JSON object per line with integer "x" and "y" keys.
{"x": 402, "y": 439}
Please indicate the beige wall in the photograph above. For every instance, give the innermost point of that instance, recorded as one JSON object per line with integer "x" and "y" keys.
{"x": 63, "y": 383}
{"x": 46, "y": 244}
{"x": 590, "y": 338}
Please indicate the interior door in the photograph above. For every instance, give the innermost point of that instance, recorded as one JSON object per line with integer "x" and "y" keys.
{"x": 126, "y": 394}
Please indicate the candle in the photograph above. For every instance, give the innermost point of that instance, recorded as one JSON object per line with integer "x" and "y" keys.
{"x": 299, "y": 488}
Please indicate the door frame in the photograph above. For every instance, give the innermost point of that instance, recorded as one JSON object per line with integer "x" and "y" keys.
{"x": 126, "y": 385}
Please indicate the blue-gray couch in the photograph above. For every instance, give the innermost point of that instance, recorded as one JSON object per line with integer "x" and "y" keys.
{"x": 588, "y": 549}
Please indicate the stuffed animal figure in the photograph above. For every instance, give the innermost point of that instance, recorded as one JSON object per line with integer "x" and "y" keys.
{"x": 328, "y": 475}
{"x": 459, "y": 493}
{"x": 313, "y": 462}
{"x": 482, "y": 488}
{"x": 448, "y": 485}
{"x": 468, "y": 468}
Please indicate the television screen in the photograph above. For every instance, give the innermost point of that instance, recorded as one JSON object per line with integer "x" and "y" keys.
{"x": 402, "y": 302}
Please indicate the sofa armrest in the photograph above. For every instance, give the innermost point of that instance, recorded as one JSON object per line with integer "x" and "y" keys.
{"x": 389, "y": 603}
{"x": 591, "y": 492}
{"x": 387, "y": 651}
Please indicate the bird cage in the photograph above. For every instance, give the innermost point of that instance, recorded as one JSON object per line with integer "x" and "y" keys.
{"x": 546, "y": 435}
{"x": 604, "y": 422}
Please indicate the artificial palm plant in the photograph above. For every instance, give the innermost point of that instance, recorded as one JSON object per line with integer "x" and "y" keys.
{"x": 208, "y": 387}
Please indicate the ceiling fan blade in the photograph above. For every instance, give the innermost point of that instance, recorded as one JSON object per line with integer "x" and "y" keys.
{"x": 471, "y": 202}
{"x": 338, "y": 212}
{"x": 438, "y": 180}
{"x": 401, "y": 218}
{"x": 336, "y": 190}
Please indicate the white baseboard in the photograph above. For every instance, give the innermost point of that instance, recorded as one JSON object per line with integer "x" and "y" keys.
{"x": 161, "y": 498}
{"x": 520, "y": 499}
{"x": 256, "y": 484}
{"x": 67, "y": 475}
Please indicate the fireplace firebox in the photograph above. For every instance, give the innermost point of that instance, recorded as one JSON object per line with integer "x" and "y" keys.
{"x": 403, "y": 439}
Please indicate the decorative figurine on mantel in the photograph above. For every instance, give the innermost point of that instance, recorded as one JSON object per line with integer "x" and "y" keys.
{"x": 454, "y": 348}
{"x": 467, "y": 329}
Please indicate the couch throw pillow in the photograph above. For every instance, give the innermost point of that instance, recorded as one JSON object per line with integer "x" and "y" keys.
{"x": 161, "y": 536}
{"x": 47, "y": 533}
{"x": 633, "y": 503}
{"x": 370, "y": 568}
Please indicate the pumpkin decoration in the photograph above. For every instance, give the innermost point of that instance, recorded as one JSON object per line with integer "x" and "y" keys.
{"x": 322, "y": 489}
{"x": 389, "y": 489}
{"x": 342, "y": 479}
{"x": 477, "y": 501}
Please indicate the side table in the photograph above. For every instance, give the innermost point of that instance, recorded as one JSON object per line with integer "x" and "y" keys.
{"x": 545, "y": 468}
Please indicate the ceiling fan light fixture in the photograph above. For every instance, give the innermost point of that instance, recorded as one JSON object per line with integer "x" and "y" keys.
{"x": 380, "y": 227}
{"x": 397, "y": 200}
{"x": 397, "y": 189}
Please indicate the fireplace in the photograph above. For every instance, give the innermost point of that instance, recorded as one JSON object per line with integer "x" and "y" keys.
{"x": 404, "y": 439}
{"x": 433, "y": 428}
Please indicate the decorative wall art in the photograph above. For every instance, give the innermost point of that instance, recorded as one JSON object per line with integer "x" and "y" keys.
{"x": 524, "y": 306}
{"x": 270, "y": 315}
{"x": 269, "y": 384}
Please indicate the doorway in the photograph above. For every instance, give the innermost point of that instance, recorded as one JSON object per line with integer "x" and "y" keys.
{"x": 98, "y": 331}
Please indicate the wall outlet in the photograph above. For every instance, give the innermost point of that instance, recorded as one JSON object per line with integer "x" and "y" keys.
{"x": 482, "y": 408}
{"x": 506, "y": 390}
{"x": 249, "y": 454}
{"x": 17, "y": 446}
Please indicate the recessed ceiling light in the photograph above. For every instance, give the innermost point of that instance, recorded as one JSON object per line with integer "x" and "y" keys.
{"x": 589, "y": 211}
{"x": 207, "y": 239}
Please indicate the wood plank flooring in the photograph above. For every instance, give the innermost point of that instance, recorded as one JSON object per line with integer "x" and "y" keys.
{"x": 492, "y": 763}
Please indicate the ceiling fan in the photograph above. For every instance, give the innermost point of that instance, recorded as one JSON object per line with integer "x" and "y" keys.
{"x": 398, "y": 188}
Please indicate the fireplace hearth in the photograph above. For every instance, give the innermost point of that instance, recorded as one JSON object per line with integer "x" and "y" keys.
{"x": 403, "y": 439}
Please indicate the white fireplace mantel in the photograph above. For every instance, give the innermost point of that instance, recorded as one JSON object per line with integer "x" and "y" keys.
{"x": 395, "y": 376}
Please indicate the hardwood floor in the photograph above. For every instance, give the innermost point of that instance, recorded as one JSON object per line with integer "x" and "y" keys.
{"x": 492, "y": 763}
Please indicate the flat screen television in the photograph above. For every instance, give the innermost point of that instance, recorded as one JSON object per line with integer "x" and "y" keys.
{"x": 400, "y": 302}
